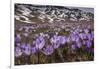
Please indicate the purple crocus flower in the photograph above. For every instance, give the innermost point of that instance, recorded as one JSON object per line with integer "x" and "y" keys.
{"x": 73, "y": 46}
{"x": 69, "y": 39}
{"x": 33, "y": 43}
{"x": 26, "y": 29}
{"x": 54, "y": 39}
{"x": 79, "y": 44}
{"x": 48, "y": 50}
{"x": 18, "y": 52}
{"x": 18, "y": 44}
{"x": 40, "y": 42}
{"x": 86, "y": 31}
{"x": 33, "y": 50}
{"x": 17, "y": 38}
{"x": 23, "y": 45}
{"x": 83, "y": 36}
{"x": 62, "y": 39}
{"x": 26, "y": 48}
{"x": 74, "y": 32}
{"x": 75, "y": 37}
{"x": 58, "y": 40}
{"x": 56, "y": 45}
{"x": 26, "y": 34}
{"x": 90, "y": 36}
{"x": 84, "y": 42}
{"x": 88, "y": 44}
{"x": 77, "y": 30}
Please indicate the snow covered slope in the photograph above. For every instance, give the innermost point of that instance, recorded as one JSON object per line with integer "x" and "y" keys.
{"x": 42, "y": 14}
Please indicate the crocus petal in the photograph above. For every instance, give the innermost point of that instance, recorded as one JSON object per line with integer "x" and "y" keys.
{"x": 48, "y": 50}
{"x": 18, "y": 52}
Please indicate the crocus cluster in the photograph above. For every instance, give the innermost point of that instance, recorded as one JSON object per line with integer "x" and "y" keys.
{"x": 47, "y": 44}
